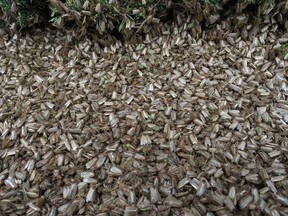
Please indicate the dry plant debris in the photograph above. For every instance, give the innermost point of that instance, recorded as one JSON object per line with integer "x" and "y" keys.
{"x": 171, "y": 126}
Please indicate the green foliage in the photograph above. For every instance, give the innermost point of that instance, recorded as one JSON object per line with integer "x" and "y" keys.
{"x": 5, "y": 5}
{"x": 23, "y": 12}
{"x": 214, "y": 2}
{"x": 128, "y": 16}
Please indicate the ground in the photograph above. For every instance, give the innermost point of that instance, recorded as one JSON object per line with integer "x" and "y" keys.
{"x": 174, "y": 125}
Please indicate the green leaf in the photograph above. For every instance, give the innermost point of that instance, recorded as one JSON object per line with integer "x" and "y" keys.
{"x": 121, "y": 26}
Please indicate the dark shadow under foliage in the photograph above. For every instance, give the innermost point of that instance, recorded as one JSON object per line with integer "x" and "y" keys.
{"x": 124, "y": 18}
